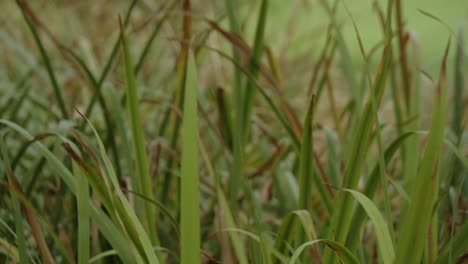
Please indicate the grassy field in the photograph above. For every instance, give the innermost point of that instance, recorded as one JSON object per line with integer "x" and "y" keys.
{"x": 266, "y": 131}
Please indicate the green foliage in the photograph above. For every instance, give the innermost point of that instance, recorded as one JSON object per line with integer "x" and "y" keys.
{"x": 197, "y": 153}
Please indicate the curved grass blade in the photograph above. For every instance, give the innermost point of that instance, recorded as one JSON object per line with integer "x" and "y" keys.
{"x": 105, "y": 225}
{"x": 371, "y": 188}
{"x": 290, "y": 226}
{"x": 383, "y": 235}
{"x": 123, "y": 207}
{"x": 343, "y": 253}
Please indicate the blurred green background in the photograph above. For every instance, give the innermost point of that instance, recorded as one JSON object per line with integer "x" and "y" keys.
{"x": 311, "y": 20}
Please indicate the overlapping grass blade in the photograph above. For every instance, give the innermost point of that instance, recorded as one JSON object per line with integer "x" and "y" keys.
{"x": 383, "y": 235}
{"x": 341, "y": 218}
{"x": 343, "y": 253}
{"x": 19, "y": 228}
{"x": 371, "y": 188}
{"x": 105, "y": 225}
{"x": 235, "y": 239}
{"x": 123, "y": 208}
{"x": 456, "y": 247}
{"x": 293, "y": 223}
{"x": 416, "y": 221}
{"x": 139, "y": 148}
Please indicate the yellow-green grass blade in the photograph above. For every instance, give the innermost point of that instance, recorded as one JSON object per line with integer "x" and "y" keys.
{"x": 190, "y": 196}
{"x": 138, "y": 141}
{"x": 384, "y": 241}
{"x": 266, "y": 250}
{"x": 416, "y": 220}
{"x": 19, "y": 227}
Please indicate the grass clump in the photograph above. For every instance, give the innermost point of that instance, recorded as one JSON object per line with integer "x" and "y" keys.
{"x": 196, "y": 152}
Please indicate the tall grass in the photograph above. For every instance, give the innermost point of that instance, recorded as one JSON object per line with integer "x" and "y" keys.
{"x": 196, "y": 153}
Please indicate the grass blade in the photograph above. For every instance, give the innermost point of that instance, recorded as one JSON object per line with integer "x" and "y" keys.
{"x": 139, "y": 148}
{"x": 413, "y": 232}
{"x": 383, "y": 235}
{"x": 106, "y": 226}
{"x": 82, "y": 197}
{"x": 19, "y": 228}
{"x": 343, "y": 253}
{"x": 190, "y": 201}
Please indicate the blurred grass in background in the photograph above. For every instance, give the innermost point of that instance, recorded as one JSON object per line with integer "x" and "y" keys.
{"x": 238, "y": 131}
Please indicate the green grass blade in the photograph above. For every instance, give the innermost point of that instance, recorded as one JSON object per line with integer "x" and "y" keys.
{"x": 124, "y": 209}
{"x": 457, "y": 125}
{"x": 254, "y": 66}
{"x": 48, "y": 64}
{"x": 382, "y": 232}
{"x": 139, "y": 148}
{"x": 105, "y": 225}
{"x": 109, "y": 63}
{"x": 306, "y": 170}
{"x": 345, "y": 256}
{"x": 413, "y": 232}
{"x": 371, "y": 188}
{"x": 235, "y": 239}
{"x": 19, "y": 228}
{"x": 190, "y": 200}
{"x": 238, "y": 91}
{"x": 298, "y": 221}
{"x": 340, "y": 222}
{"x": 346, "y": 62}
{"x": 82, "y": 197}
{"x": 456, "y": 247}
